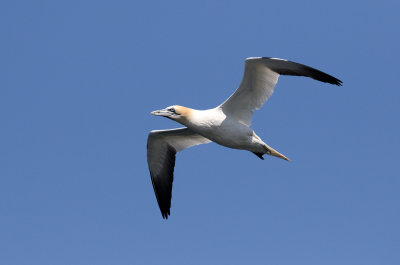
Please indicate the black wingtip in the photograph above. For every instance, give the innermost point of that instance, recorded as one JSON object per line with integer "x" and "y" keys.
{"x": 285, "y": 67}
{"x": 328, "y": 79}
{"x": 338, "y": 82}
{"x": 323, "y": 77}
{"x": 165, "y": 215}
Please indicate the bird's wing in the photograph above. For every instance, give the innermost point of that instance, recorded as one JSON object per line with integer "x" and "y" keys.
{"x": 162, "y": 147}
{"x": 258, "y": 82}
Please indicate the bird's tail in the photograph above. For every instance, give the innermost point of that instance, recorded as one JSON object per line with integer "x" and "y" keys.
{"x": 271, "y": 151}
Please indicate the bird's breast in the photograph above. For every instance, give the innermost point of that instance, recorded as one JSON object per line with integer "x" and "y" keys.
{"x": 222, "y": 130}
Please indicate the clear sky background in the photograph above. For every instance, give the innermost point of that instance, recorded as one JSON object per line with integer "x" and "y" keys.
{"x": 78, "y": 80}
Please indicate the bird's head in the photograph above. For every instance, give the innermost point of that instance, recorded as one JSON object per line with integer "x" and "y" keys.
{"x": 175, "y": 112}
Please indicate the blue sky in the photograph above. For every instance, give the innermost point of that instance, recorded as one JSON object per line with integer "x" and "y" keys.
{"x": 79, "y": 79}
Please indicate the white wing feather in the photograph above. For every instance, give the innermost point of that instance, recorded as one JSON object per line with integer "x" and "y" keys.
{"x": 259, "y": 79}
{"x": 257, "y": 86}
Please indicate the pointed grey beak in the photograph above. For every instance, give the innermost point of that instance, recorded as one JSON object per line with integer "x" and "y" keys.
{"x": 162, "y": 112}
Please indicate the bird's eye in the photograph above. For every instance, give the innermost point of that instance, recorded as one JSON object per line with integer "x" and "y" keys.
{"x": 171, "y": 110}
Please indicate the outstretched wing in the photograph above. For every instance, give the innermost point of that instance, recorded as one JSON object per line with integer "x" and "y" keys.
{"x": 162, "y": 147}
{"x": 260, "y": 77}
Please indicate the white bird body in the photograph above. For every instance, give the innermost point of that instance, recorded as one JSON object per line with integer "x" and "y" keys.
{"x": 213, "y": 124}
{"x": 216, "y": 126}
{"x": 227, "y": 125}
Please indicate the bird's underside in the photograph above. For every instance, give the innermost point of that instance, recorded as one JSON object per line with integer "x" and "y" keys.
{"x": 260, "y": 77}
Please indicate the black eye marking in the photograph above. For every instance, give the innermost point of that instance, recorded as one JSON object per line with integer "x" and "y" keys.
{"x": 172, "y": 110}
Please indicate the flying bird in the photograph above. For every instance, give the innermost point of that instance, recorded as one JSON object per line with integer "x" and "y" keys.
{"x": 228, "y": 124}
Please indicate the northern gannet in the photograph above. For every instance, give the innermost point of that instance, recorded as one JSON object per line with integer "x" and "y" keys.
{"x": 227, "y": 125}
